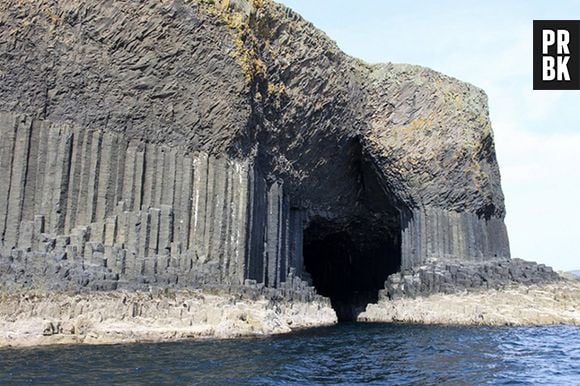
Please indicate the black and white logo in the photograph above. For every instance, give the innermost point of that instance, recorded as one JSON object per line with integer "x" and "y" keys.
{"x": 556, "y": 54}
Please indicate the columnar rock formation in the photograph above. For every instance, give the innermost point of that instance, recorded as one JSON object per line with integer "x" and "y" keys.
{"x": 139, "y": 208}
{"x": 230, "y": 142}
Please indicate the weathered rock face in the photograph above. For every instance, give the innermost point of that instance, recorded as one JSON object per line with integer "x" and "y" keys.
{"x": 450, "y": 277}
{"x": 193, "y": 143}
{"x": 156, "y": 72}
{"x": 40, "y": 318}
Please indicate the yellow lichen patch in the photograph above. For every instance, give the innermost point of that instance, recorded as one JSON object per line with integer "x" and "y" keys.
{"x": 259, "y": 65}
{"x": 245, "y": 43}
{"x": 276, "y": 88}
{"x": 415, "y": 125}
{"x": 478, "y": 176}
{"x": 457, "y": 101}
{"x": 53, "y": 17}
{"x": 452, "y": 97}
{"x": 482, "y": 121}
{"x": 257, "y": 3}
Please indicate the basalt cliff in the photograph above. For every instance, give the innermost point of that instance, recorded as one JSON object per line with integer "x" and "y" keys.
{"x": 231, "y": 144}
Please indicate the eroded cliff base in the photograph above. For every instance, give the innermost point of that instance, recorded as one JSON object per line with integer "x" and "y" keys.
{"x": 452, "y": 276}
{"x": 346, "y": 291}
{"x": 32, "y": 318}
{"x": 516, "y": 304}
{"x": 435, "y": 276}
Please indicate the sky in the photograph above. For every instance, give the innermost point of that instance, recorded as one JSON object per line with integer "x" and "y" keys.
{"x": 488, "y": 44}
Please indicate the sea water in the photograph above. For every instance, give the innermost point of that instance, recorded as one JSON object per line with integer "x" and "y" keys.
{"x": 350, "y": 353}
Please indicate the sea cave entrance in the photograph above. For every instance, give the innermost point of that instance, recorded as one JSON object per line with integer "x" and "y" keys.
{"x": 349, "y": 263}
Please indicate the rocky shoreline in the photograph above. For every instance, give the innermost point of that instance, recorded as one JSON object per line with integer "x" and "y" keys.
{"x": 33, "y": 318}
{"x": 516, "y": 304}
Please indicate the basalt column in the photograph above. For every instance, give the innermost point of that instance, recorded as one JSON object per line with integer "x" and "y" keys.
{"x": 442, "y": 234}
{"x": 145, "y": 211}
{"x": 139, "y": 209}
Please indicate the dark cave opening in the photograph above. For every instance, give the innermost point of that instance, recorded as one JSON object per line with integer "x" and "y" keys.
{"x": 351, "y": 249}
{"x": 350, "y": 264}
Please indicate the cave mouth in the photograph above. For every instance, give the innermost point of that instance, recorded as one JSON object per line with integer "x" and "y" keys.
{"x": 350, "y": 264}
